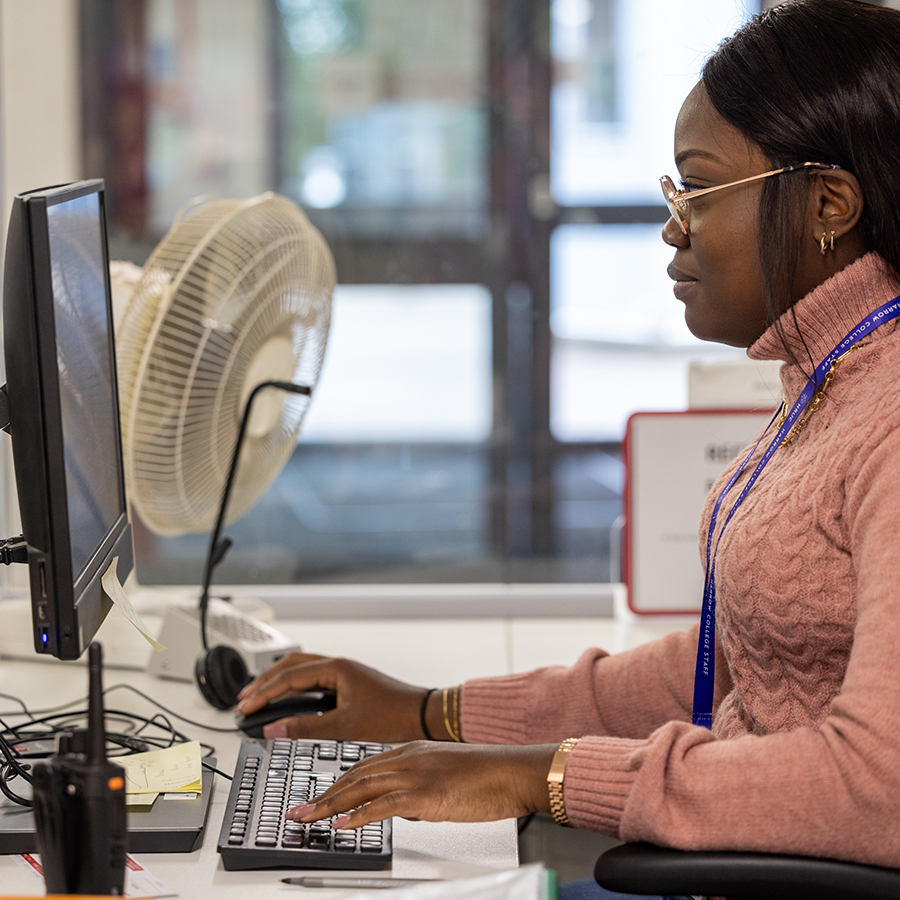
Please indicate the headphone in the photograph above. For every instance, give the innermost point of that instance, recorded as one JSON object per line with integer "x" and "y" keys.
{"x": 220, "y": 671}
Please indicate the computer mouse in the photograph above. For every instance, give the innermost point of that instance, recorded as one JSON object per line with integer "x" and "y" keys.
{"x": 305, "y": 704}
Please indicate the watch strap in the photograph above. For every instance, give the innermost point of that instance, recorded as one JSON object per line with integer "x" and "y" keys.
{"x": 555, "y": 780}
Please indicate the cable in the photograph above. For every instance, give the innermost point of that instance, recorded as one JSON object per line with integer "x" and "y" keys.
{"x": 8, "y": 791}
{"x": 129, "y": 741}
{"x": 12, "y": 760}
{"x": 155, "y": 721}
{"x": 8, "y": 729}
{"x": 212, "y": 768}
{"x": 40, "y": 712}
{"x": 171, "y": 712}
{"x": 53, "y": 709}
{"x": 15, "y": 700}
{"x": 12, "y": 765}
{"x": 218, "y": 548}
{"x": 13, "y": 550}
{"x": 47, "y": 724}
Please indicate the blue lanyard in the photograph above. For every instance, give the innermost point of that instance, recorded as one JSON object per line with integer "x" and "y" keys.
{"x": 704, "y": 676}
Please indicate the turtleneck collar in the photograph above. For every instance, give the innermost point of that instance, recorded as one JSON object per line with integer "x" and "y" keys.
{"x": 821, "y": 318}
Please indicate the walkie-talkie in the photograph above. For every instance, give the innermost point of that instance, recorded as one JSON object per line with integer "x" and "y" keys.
{"x": 79, "y": 805}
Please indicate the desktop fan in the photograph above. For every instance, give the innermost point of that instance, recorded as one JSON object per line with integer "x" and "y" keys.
{"x": 236, "y": 294}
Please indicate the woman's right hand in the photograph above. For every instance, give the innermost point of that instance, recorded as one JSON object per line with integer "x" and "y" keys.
{"x": 370, "y": 705}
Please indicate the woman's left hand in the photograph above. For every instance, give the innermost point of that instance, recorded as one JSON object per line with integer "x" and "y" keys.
{"x": 437, "y": 782}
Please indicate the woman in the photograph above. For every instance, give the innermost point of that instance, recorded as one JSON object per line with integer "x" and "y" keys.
{"x": 785, "y": 238}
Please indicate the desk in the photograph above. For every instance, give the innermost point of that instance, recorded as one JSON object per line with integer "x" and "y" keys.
{"x": 428, "y": 652}
{"x": 421, "y": 849}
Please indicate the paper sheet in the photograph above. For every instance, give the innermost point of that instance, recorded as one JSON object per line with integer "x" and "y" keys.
{"x": 116, "y": 593}
{"x": 175, "y": 769}
{"x": 147, "y": 799}
{"x": 528, "y": 882}
{"x": 138, "y": 881}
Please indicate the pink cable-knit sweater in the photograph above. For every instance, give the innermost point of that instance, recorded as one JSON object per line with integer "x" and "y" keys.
{"x": 804, "y": 754}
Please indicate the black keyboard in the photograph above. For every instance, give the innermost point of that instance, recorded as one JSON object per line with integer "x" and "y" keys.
{"x": 270, "y": 778}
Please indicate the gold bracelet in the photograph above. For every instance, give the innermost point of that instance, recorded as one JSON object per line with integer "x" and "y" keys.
{"x": 555, "y": 780}
{"x": 446, "y": 708}
{"x": 451, "y": 713}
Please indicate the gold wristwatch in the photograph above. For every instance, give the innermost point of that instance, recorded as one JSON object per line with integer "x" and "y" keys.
{"x": 555, "y": 780}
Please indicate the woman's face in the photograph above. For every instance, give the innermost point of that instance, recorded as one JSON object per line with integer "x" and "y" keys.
{"x": 716, "y": 268}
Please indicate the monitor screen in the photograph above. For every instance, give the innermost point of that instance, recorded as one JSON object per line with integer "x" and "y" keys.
{"x": 87, "y": 405}
{"x": 63, "y": 409}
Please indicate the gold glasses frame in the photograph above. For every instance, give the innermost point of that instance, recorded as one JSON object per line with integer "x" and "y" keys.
{"x": 678, "y": 200}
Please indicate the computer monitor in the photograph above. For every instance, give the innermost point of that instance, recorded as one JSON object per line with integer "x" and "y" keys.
{"x": 64, "y": 410}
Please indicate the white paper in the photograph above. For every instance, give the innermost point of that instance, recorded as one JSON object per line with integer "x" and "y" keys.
{"x": 525, "y": 883}
{"x": 116, "y": 593}
{"x": 138, "y": 881}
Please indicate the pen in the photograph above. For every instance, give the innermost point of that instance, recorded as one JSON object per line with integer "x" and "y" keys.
{"x": 312, "y": 881}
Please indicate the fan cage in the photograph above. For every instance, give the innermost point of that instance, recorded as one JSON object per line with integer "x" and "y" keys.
{"x": 222, "y": 284}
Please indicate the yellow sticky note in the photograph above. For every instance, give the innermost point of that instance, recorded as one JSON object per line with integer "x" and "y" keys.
{"x": 116, "y": 593}
{"x": 157, "y": 771}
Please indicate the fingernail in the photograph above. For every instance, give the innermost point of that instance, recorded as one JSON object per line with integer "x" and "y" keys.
{"x": 300, "y": 812}
{"x": 341, "y": 821}
{"x": 275, "y": 730}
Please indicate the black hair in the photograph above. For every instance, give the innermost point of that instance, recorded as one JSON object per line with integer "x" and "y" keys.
{"x": 815, "y": 81}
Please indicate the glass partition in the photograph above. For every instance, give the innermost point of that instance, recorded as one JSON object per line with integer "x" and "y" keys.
{"x": 485, "y": 173}
{"x": 623, "y": 68}
{"x": 382, "y": 117}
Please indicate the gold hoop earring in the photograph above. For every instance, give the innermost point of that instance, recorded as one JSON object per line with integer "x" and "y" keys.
{"x": 826, "y": 243}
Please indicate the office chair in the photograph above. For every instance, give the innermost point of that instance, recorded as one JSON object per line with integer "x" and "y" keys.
{"x": 646, "y": 869}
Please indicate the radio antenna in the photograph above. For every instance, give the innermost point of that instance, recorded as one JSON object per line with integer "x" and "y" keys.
{"x": 96, "y": 719}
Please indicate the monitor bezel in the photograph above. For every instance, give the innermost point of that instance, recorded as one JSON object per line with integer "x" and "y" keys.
{"x": 67, "y": 607}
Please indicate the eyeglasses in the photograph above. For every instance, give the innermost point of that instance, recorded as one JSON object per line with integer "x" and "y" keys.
{"x": 678, "y": 200}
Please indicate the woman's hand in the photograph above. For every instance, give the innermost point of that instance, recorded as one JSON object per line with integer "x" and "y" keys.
{"x": 437, "y": 782}
{"x": 370, "y": 706}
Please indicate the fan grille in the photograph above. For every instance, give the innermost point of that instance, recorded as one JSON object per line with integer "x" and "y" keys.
{"x": 226, "y": 286}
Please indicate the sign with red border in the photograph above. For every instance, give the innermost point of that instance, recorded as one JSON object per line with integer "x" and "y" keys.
{"x": 672, "y": 460}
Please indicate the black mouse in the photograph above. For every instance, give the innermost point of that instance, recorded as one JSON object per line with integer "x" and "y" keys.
{"x": 305, "y": 704}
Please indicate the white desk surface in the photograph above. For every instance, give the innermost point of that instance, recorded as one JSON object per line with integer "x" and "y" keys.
{"x": 428, "y": 651}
